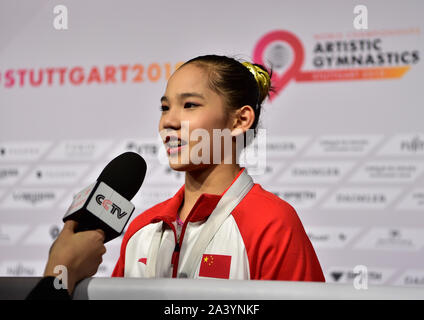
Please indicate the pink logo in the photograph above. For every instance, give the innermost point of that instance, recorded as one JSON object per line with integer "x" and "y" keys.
{"x": 106, "y": 203}
{"x": 279, "y": 81}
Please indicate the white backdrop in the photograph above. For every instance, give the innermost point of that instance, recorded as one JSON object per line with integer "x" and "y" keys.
{"x": 345, "y": 138}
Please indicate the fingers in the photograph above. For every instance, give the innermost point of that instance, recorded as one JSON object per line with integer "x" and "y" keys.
{"x": 70, "y": 225}
{"x": 102, "y": 234}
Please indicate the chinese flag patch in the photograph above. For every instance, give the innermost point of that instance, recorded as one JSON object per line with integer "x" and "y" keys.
{"x": 215, "y": 266}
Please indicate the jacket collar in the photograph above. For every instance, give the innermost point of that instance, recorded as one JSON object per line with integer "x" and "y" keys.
{"x": 202, "y": 209}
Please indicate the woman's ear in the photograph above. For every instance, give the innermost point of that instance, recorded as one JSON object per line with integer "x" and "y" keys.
{"x": 243, "y": 120}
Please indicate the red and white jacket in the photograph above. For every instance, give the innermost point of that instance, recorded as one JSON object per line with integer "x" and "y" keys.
{"x": 261, "y": 239}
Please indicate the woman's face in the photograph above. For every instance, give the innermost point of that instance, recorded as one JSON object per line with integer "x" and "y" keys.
{"x": 189, "y": 105}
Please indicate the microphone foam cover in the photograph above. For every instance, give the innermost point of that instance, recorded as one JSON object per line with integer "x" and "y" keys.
{"x": 125, "y": 174}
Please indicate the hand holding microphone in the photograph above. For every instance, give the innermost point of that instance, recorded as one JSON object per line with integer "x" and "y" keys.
{"x": 81, "y": 253}
{"x": 97, "y": 215}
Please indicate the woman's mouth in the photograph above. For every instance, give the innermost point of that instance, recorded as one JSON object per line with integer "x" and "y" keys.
{"x": 174, "y": 144}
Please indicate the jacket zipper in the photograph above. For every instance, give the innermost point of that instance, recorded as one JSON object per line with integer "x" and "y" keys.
{"x": 178, "y": 244}
{"x": 177, "y": 249}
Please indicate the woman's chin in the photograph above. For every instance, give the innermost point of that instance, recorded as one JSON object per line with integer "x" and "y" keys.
{"x": 187, "y": 166}
{"x": 179, "y": 167}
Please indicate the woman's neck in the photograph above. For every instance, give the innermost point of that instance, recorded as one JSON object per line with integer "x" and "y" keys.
{"x": 213, "y": 180}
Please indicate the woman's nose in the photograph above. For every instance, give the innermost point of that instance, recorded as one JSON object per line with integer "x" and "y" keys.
{"x": 171, "y": 119}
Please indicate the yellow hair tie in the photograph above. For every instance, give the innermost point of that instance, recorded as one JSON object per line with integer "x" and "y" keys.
{"x": 262, "y": 78}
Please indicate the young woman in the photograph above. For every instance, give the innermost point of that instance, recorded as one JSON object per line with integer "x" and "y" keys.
{"x": 219, "y": 224}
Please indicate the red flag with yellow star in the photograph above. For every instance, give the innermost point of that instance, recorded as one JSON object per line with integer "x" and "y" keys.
{"x": 215, "y": 266}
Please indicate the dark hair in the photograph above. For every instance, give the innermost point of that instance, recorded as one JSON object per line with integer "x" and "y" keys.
{"x": 234, "y": 81}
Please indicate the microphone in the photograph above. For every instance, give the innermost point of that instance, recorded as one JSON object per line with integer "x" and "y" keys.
{"x": 106, "y": 204}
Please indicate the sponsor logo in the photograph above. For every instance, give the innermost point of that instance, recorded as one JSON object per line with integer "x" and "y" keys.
{"x": 22, "y": 151}
{"x": 376, "y": 276}
{"x": 79, "y": 150}
{"x": 358, "y": 145}
{"x": 149, "y": 149}
{"x": 349, "y": 56}
{"x": 411, "y": 278}
{"x": 336, "y": 275}
{"x": 57, "y": 175}
{"x": 416, "y": 144}
{"x": 388, "y": 171}
{"x": 392, "y": 239}
{"x": 412, "y": 201}
{"x": 64, "y": 174}
{"x": 19, "y": 151}
{"x": 361, "y": 198}
{"x": 300, "y": 198}
{"x": 22, "y": 268}
{"x": 413, "y": 281}
{"x": 404, "y": 144}
{"x": 285, "y": 146}
{"x": 31, "y": 198}
{"x": 316, "y": 172}
{"x": 331, "y": 237}
{"x": 11, "y": 174}
{"x": 296, "y": 195}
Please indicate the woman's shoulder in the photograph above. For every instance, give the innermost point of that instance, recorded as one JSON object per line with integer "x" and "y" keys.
{"x": 269, "y": 200}
{"x": 263, "y": 207}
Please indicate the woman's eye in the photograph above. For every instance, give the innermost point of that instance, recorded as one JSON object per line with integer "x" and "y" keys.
{"x": 164, "y": 108}
{"x": 188, "y": 105}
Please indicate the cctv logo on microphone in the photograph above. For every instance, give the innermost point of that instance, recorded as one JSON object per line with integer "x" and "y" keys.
{"x": 109, "y": 205}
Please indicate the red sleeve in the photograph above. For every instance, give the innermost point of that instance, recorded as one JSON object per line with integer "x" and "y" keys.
{"x": 119, "y": 269}
{"x": 120, "y": 265}
{"x": 277, "y": 245}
